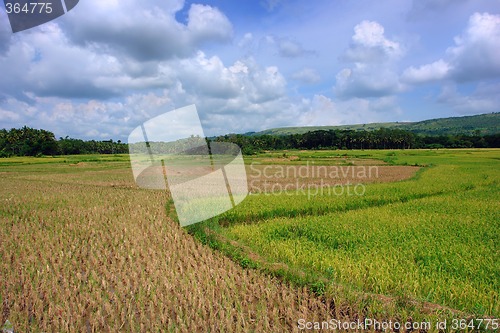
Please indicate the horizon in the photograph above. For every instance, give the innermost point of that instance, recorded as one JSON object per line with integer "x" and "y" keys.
{"x": 58, "y": 137}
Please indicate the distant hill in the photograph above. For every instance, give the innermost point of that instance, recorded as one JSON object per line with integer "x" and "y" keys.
{"x": 483, "y": 124}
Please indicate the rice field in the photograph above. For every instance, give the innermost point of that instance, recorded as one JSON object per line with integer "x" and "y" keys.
{"x": 84, "y": 249}
{"x": 422, "y": 247}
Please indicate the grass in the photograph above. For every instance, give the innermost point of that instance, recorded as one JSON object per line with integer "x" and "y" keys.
{"x": 415, "y": 247}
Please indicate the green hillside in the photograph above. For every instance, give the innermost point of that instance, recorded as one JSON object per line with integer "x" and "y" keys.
{"x": 480, "y": 124}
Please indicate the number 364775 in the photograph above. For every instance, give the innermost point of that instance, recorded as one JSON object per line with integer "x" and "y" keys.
{"x": 29, "y": 8}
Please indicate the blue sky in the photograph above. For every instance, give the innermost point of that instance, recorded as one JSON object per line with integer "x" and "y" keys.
{"x": 107, "y": 66}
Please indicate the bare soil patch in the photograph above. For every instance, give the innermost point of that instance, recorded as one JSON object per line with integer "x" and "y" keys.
{"x": 263, "y": 178}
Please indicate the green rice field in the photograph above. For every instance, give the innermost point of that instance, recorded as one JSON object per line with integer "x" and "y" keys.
{"x": 419, "y": 247}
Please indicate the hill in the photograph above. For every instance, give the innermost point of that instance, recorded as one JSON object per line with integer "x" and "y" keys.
{"x": 483, "y": 124}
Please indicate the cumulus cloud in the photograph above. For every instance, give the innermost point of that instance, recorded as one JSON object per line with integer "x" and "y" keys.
{"x": 13, "y": 110}
{"x": 209, "y": 77}
{"x": 369, "y": 44}
{"x": 44, "y": 63}
{"x": 68, "y": 77}
{"x": 63, "y": 84}
{"x": 435, "y": 71}
{"x": 288, "y": 48}
{"x": 206, "y": 23}
{"x": 243, "y": 90}
{"x": 103, "y": 56}
{"x": 146, "y": 30}
{"x": 474, "y": 56}
{"x": 373, "y": 56}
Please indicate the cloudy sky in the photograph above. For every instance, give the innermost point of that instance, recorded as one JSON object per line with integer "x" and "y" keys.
{"x": 107, "y": 66}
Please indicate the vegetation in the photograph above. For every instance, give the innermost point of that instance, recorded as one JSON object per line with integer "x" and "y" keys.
{"x": 482, "y": 131}
{"x": 424, "y": 248}
{"x": 33, "y": 142}
{"x": 383, "y": 138}
{"x": 483, "y": 124}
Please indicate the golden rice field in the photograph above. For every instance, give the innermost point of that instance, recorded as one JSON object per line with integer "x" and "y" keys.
{"x": 83, "y": 250}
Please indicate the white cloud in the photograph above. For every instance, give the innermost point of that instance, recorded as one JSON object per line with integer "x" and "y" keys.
{"x": 369, "y": 44}
{"x": 244, "y": 90}
{"x": 374, "y": 57}
{"x": 209, "y": 77}
{"x": 288, "y": 48}
{"x": 79, "y": 62}
{"x": 474, "y": 57}
{"x": 44, "y": 62}
{"x": 435, "y": 71}
{"x": 239, "y": 67}
{"x": 146, "y": 30}
{"x": 207, "y": 23}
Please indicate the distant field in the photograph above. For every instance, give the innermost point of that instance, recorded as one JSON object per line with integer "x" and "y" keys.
{"x": 420, "y": 247}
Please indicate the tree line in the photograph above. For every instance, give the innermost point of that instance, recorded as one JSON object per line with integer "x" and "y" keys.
{"x": 383, "y": 138}
{"x": 28, "y": 141}
{"x": 38, "y": 142}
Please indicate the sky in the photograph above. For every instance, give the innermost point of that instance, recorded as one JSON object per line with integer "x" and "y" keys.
{"x": 106, "y": 67}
